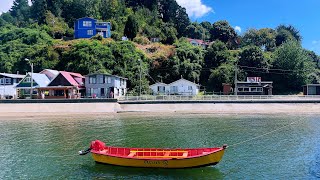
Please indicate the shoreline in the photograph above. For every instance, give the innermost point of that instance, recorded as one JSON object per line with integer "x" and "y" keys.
{"x": 96, "y": 110}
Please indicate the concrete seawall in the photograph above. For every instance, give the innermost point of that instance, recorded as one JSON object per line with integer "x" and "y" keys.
{"x": 60, "y": 108}
{"x": 91, "y": 107}
{"x": 247, "y": 108}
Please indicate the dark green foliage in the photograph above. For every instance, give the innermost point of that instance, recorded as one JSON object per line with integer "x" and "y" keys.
{"x": 196, "y": 31}
{"x": 264, "y": 38}
{"x": 73, "y": 10}
{"x": 38, "y": 10}
{"x": 131, "y": 29}
{"x": 223, "y": 31}
{"x": 21, "y": 11}
{"x": 170, "y": 34}
{"x": 189, "y": 60}
{"x": 292, "y": 30}
{"x": 296, "y": 68}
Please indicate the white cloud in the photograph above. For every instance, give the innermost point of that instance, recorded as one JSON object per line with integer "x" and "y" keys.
{"x": 195, "y": 8}
{"x": 238, "y": 28}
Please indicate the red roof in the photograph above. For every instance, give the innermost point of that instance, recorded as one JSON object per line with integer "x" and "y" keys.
{"x": 199, "y": 41}
{"x": 75, "y": 79}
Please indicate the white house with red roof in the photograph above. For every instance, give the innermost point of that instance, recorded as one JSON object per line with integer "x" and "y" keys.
{"x": 199, "y": 42}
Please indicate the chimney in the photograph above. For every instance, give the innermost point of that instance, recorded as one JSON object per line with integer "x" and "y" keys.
{"x": 17, "y": 72}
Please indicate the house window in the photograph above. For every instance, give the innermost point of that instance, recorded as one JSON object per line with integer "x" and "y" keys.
{"x": 28, "y": 79}
{"x": 253, "y": 89}
{"x": 161, "y": 89}
{"x": 87, "y": 23}
{"x": 92, "y": 80}
{"x": 90, "y": 32}
{"x": 109, "y": 80}
{"x": 5, "y": 81}
{"x": 190, "y": 88}
{"x": 174, "y": 89}
{"x": 8, "y": 81}
{"x": 101, "y": 80}
{"x": 259, "y": 90}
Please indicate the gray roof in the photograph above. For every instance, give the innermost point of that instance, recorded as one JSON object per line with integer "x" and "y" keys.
{"x": 106, "y": 74}
{"x": 13, "y": 75}
{"x": 41, "y": 79}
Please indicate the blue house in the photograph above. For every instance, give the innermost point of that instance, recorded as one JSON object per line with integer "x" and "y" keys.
{"x": 88, "y": 27}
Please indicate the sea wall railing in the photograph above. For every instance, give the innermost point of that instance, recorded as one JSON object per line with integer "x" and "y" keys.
{"x": 216, "y": 97}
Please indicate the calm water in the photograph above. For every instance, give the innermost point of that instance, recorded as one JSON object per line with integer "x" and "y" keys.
{"x": 262, "y": 146}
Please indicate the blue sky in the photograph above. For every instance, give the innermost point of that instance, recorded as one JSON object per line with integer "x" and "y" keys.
{"x": 245, "y": 14}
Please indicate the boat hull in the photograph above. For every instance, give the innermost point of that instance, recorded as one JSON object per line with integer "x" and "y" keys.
{"x": 205, "y": 160}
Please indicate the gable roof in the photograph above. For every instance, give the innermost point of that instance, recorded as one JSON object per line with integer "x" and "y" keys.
{"x": 184, "y": 80}
{"x": 50, "y": 73}
{"x": 75, "y": 79}
{"x": 159, "y": 83}
{"x": 13, "y": 75}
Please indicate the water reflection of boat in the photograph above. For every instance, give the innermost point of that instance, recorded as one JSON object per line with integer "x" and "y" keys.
{"x": 155, "y": 157}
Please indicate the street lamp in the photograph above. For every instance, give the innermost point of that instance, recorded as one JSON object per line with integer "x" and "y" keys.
{"x": 31, "y": 65}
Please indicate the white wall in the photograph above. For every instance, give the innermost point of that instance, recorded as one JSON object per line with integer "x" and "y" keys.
{"x": 183, "y": 87}
{"x": 8, "y": 90}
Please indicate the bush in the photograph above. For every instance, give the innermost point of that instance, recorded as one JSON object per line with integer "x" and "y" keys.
{"x": 116, "y": 36}
{"x": 97, "y": 37}
{"x": 141, "y": 40}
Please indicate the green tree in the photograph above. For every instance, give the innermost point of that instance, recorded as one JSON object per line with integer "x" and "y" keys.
{"x": 264, "y": 38}
{"x": 170, "y": 34}
{"x": 38, "y": 10}
{"x": 293, "y": 68}
{"x": 292, "y": 30}
{"x": 223, "y": 31}
{"x": 131, "y": 29}
{"x": 73, "y": 10}
{"x": 253, "y": 61}
{"x": 20, "y": 11}
{"x": 196, "y": 31}
{"x": 189, "y": 60}
{"x": 222, "y": 74}
{"x": 57, "y": 26}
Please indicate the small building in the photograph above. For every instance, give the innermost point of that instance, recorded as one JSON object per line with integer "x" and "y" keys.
{"x": 254, "y": 86}
{"x": 311, "y": 89}
{"x": 179, "y": 87}
{"x": 199, "y": 42}
{"x": 100, "y": 85}
{"x": 88, "y": 27}
{"x": 8, "y": 83}
{"x": 66, "y": 85}
{"x": 24, "y": 86}
{"x": 41, "y": 79}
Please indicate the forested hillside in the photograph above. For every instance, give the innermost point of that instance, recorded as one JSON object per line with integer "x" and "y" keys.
{"x": 43, "y": 33}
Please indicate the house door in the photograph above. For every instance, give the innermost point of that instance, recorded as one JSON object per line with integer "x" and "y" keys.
{"x": 102, "y": 92}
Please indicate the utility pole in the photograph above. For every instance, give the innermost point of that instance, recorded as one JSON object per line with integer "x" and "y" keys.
{"x": 31, "y": 65}
{"x": 236, "y": 80}
{"x": 140, "y": 70}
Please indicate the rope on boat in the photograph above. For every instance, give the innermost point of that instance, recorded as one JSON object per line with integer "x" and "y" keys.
{"x": 262, "y": 135}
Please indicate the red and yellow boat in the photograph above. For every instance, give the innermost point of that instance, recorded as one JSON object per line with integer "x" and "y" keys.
{"x": 155, "y": 157}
